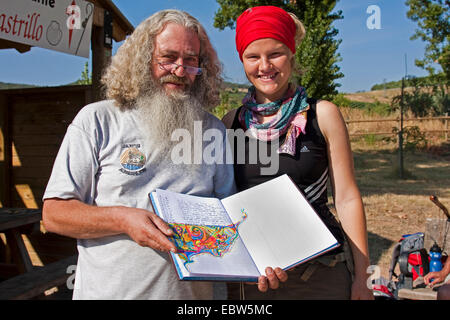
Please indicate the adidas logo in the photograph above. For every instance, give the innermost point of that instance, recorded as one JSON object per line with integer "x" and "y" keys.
{"x": 304, "y": 149}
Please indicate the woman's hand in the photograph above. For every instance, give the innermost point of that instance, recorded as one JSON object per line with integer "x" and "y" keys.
{"x": 360, "y": 291}
{"x": 272, "y": 279}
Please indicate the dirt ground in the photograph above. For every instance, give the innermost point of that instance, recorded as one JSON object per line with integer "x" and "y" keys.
{"x": 396, "y": 206}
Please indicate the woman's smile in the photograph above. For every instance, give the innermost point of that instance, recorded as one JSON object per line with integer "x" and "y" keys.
{"x": 268, "y": 65}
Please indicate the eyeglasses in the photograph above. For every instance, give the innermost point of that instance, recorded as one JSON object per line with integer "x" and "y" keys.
{"x": 172, "y": 66}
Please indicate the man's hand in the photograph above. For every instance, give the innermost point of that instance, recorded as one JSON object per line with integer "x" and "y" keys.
{"x": 73, "y": 218}
{"x": 147, "y": 229}
{"x": 434, "y": 278}
{"x": 272, "y": 279}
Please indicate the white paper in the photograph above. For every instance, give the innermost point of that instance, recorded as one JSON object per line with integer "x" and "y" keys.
{"x": 187, "y": 209}
{"x": 181, "y": 208}
{"x": 281, "y": 228}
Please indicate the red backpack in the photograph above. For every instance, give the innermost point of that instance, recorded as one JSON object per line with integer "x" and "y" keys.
{"x": 412, "y": 259}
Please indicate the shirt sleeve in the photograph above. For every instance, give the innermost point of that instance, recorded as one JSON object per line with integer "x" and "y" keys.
{"x": 75, "y": 168}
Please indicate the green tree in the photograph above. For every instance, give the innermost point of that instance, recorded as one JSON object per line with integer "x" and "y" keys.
{"x": 85, "y": 77}
{"x": 433, "y": 19}
{"x": 317, "y": 54}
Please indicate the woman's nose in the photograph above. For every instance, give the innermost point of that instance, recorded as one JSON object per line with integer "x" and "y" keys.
{"x": 265, "y": 64}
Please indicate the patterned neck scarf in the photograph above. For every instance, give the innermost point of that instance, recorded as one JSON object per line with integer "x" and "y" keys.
{"x": 290, "y": 117}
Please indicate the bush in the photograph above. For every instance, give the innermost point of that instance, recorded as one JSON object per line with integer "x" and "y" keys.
{"x": 413, "y": 138}
{"x": 341, "y": 101}
{"x": 427, "y": 98}
{"x": 226, "y": 104}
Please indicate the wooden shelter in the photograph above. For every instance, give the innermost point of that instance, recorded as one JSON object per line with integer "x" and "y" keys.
{"x": 33, "y": 122}
{"x": 101, "y": 52}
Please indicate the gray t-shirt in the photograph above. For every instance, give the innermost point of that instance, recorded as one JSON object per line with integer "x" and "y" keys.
{"x": 104, "y": 160}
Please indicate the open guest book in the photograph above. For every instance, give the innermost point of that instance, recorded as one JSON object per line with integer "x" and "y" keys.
{"x": 236, "y": 238}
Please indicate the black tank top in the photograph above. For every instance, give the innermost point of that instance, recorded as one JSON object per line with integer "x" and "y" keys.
{"x": 308, "y": 168}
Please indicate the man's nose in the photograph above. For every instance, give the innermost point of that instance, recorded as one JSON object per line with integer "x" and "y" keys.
{"x": 179, "y": 70}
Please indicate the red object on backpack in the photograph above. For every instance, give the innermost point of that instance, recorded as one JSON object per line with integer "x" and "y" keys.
{"x": 418, "y": 263}
{"x": 411, "y": 257}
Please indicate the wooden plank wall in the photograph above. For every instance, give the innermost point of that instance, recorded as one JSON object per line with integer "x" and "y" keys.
{"x": 33, "y": 124}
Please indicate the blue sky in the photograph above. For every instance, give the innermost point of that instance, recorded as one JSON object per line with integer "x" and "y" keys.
{"x": 368, "y": 56}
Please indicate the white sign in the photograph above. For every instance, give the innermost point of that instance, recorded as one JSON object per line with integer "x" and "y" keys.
{"x": 61, "y": 25}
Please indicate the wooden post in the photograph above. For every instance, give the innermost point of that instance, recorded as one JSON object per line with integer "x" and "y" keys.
{"x": 6, "y": 166}
{"x": 101, "y": 54}
{"x": 446, "y": 126}
{"x": 400, "y": 133}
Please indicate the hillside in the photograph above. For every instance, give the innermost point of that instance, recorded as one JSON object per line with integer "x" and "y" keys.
{"x": 383, "y": 96}
{"x": 6, "y": 85}
{"x": 237, "y": 91}
{"x": 228, "y": 86}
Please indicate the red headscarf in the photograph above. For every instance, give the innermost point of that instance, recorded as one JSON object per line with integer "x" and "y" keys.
{"x": 264, "y": 22}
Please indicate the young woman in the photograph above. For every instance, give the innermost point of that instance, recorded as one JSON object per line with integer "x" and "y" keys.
{"x": 313, "y": 146}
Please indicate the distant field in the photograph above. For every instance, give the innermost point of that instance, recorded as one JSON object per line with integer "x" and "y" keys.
{"x": 397, "y": 206}
{"x": 5, "y": 85}
{"x": 384, "y": 96}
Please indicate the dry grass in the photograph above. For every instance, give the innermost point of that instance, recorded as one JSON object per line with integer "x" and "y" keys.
{"x": 397, "y": 206}
{"x": 384, "y": 96}
{"x": 381, "y": 125}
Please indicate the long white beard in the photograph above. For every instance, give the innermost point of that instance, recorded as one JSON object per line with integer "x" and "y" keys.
{"x": 160, "y": 114}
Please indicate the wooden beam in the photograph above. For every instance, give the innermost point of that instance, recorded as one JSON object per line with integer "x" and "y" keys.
{"x": 8, "y": 270}
{"x": 3, "y": 116}
{"x": 13, "y": 218}
{"x": 121, "y": 26}
{"x": 100, "y": 60}
{"x": 417, "y": 294}
{"x": 5, "y": 124}
{"x": 32, "y": 284}
{"x": 99, "y": 16}
{"x": 18, "y": 250}
{"x": 7, "y": 44}
{"x": 118, "y": 33}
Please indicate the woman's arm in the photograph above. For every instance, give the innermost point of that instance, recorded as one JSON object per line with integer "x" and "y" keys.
{"x": 347, "y": 199}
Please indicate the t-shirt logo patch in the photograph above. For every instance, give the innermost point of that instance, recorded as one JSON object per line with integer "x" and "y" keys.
{"x": 132, "y": 160}
{"x": 304, "y": 149}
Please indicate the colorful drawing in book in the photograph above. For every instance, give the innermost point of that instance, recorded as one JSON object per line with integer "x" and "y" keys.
{"x": 192, "y": 240}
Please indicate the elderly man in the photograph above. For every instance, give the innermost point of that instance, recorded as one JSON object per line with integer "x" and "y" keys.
{"x": 117, "y": 151}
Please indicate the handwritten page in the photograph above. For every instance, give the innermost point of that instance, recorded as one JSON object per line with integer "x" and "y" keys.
{"x": 189, "y": 209}
{"x": 217, "y": 251}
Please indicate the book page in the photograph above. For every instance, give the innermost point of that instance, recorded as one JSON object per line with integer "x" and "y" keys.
{"x": 282, "y": 229}
{"x": 182, "y": 208}
{"x": 207, "y": 240}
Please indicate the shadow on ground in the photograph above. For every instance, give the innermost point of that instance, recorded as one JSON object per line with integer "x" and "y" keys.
{"x": 378, "y": 245}
{"x": 424, "y": 172}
